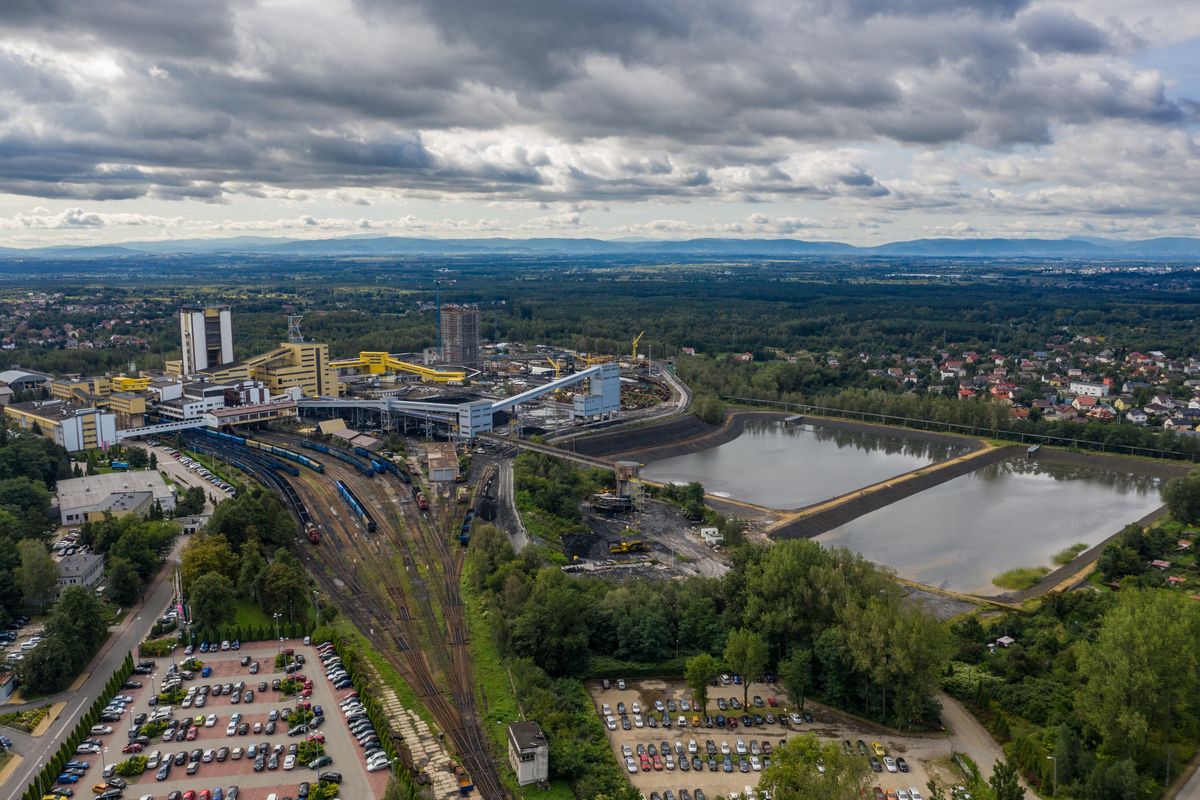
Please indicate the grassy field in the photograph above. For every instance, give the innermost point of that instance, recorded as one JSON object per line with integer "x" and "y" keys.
{"x": 404, "y": 693}
{"x": 1068, "y": 554}
{"x": 251, "y": 613}
{"x": 1019, "y": 578}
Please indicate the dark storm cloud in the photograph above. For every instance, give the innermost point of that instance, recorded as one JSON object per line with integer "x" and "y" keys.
{"x": 1052, "y": 30}
{"x": 629, "y": 99}
{"x": 156, "y": 27}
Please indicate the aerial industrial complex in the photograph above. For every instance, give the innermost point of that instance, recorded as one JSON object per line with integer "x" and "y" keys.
{"x": 208, "y": 387}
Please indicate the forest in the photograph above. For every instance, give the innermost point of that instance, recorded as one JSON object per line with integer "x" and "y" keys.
{"x": 831, "y": 619}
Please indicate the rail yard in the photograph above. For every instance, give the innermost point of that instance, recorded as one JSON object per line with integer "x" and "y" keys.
{"x": 390, "y": 566}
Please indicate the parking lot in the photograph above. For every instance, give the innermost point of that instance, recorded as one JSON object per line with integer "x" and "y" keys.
{"x": 212, "y": 772}
{"x": 918, "y": 752}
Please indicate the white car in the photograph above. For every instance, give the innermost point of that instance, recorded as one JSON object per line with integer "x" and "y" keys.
{"x": 375, "y": 766}
{"x": 669, "y": 761}
{"x": 631, "y": 766}
{"x": 289, "y": 762}
{"x": 636, "y": 707}
{"x": 100, "y": 730}
{"x": 231, "y": 729}
{"x": 889, "y": 763}
{"x": 611, "y": 722}
{"x": 210, "y": 720}
{"x": 756, "y": 763}
{"x": 606, "y": 710}
{"x": 741, "y": 748}
{"x": 902, "y": 794}
{"x": 637, "y": 721}
{"x": 621, "y": 683}
{"x": 725, "y": 747}
{"x": 914, "y": 793}
{"x": 693, "y": 748}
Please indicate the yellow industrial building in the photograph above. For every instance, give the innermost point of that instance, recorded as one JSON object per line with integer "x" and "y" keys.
{"x": 305, "y": 365}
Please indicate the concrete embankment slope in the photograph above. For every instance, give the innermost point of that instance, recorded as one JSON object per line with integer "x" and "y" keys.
{"x": 815, "y": 520}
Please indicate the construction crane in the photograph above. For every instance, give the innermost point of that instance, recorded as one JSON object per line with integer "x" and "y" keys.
{"x": 637, "y": 339}
{"x": 591, "y": 360}
{"x": 557, "y": 363}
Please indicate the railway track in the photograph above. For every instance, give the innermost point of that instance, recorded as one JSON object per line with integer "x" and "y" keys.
{"x": 396, "y": 602}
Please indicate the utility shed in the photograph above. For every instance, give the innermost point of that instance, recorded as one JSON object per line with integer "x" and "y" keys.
{"x": 528, "y": 752}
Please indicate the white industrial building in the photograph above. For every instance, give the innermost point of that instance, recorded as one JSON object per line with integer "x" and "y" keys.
{"x": 206, "y": 334}
{"x": 78, "y": 498}
{"x": 85, "y": 569}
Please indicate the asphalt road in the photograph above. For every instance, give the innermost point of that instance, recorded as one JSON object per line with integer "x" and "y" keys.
{"x": 35, "y": 751}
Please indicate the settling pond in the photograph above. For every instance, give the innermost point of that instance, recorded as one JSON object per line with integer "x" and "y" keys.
{"x": 1014, "y": 513}
{"x": 958, "y": 535}
{"x": 778, "y": 467}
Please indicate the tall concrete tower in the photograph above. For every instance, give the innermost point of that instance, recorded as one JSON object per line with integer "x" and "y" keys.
{"x": 206, "y": 335}
{"x": 460, "y": 335}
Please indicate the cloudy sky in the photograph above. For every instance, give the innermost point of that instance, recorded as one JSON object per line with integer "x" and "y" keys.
{"x": 856, "y": 120}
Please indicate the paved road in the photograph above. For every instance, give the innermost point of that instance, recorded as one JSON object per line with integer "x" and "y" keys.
{"x": 124, "y": 639}
{"x": 1191, "y": 789}
{"x": 182, "y": 475}
{"x": 507, "y": 497}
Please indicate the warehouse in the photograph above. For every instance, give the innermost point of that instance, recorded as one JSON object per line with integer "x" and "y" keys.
{"x": 118, "y": 493}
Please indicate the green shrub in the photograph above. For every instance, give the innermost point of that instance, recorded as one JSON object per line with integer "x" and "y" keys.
{"x": 132, "y": 766}
{"x": 307, "y": 750}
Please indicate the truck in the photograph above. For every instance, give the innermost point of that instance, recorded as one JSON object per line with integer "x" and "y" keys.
{"x": 119, "y": 464}
{"x": 626, "y": 546}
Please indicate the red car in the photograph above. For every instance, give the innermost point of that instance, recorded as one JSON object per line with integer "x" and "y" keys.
{"x": 316, "y": 737}
{"x": 190, "y": 794}
{"x": 658, "y": 764}
{"x": 645, "y": 763}
{"x": 350, "y": 696}
{"x": 772, "y": 702}
{"x": 204, "y": 794}
{"x": 132, "y": 747}
{"x": 191, "y": 734}
{"x": 731, "y": 722}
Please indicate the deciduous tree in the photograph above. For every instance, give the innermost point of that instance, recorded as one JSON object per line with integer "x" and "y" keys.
{"x": 746, "y": 654}
{"x": 793, "y": 773}
{"x": 697, "y": 673}
{"x": 213, "y": 601}
{"x": 38, "y": 574}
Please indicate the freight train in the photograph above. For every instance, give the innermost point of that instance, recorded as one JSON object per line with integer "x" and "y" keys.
{"x": 356, "y": 506}
{"x": 464, "y": 533}
{"x": 341, "y": 455}
{"x": 254, "y": 444}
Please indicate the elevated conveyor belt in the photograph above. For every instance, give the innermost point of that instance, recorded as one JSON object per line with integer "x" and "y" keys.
{"x": 379, "y": 363}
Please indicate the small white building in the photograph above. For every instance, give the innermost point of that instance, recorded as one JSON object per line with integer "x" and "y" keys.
{"x": 80, "y": 497}
{"x": 86, "y": 569}
{"x": 528, "y": 752}
{"x": 712, "y": 537}
{"x": 1088, "y": 388}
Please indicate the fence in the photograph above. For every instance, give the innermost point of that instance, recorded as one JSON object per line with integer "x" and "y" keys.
{"x": 1024, "y": 437}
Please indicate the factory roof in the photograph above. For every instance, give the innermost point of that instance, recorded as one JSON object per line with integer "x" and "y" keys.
{"x": 96, "y": 489}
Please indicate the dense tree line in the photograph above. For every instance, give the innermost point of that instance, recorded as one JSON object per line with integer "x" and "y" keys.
{"x": 1105, "y": 683}
{"x": 133, "y": 550}
{"x": 244, "y": 554}
{"x": 30, "y": 466}
{"x": 868, "y": 651}
{"x": 72, "y": 634}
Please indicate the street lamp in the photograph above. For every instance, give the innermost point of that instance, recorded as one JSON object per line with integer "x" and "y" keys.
{"x": 278, "y": 639}
{"x": 1055, "y": 760}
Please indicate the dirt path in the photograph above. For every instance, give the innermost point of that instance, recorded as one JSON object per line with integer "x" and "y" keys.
{"x": 970, "y": 737}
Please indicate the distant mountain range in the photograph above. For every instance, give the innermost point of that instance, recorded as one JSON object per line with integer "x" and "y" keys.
{"x": 1164, "y": 249}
